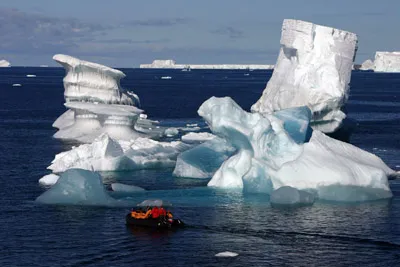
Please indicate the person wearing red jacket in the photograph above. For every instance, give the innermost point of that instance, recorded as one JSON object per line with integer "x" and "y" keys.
{"x": 155, "y": 212}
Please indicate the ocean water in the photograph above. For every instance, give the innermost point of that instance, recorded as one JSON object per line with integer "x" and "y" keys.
{"x": 325, "y": 234}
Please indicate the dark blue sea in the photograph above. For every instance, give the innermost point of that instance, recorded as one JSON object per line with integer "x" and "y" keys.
{"x": 325, "y": 234}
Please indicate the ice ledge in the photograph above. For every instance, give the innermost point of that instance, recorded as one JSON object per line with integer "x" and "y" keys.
{"x": 387, "y": 62}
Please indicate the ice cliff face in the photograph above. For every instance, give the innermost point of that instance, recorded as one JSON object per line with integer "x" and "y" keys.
{"x": 277, "y": 150}
{"x": 313, "y": 69}
{"x": 4, "y": 63}
{"x": 96, "y": 103}
{"x": 387, "y": 62}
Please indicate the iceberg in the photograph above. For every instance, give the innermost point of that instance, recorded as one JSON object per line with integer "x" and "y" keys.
{"x": 289, "y": 196}
{"x": 387, "y": 62}
{"x": 92, "y": 82}
{"x": 313, "y": 69}
{"x": 77, "y": 186}
{"x": 4, "y": 63}
{"x": 108, "y": 154}
{"x": 367, "y": 65}
{"x": 269, "y": 156}
{"x": 96, "y": 104}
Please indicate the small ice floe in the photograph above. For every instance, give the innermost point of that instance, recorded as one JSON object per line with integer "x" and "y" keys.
{"x": 166, "y": 77}
{"x": 16, "y": 85}
{"x": 246, "y": 74}
{"x": 49, "y": 180}
{"x": 118, "y": 187}
{"x": 226, "y": 254}
{"x": 171, "y": 132}
{"x": 30, "y": 75}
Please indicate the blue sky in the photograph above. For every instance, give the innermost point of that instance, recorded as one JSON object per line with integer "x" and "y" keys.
{"x": 126, "y": 33}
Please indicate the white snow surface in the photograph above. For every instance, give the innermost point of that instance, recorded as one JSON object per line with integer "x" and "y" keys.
{"x": 267, "y": 158}
{"x": 387, "y": 62}
{"x": 367, "y": 65}
{"x": 313, "y": 69}
{"x": 108, "y": 154}
{"x": 4, "y": 63}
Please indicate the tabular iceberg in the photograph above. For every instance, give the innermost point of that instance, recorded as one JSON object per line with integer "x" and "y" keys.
{"x": 4, "y": 63}
{"x": 387, "y": 62}
{"x": 273, "y": 151}
{"x": 313, "y": 69}
{"x": 97, "y": 104}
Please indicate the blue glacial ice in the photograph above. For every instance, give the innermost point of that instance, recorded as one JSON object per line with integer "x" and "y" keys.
{"x": 270, "y": 155}
{"x": 77, "y": 187}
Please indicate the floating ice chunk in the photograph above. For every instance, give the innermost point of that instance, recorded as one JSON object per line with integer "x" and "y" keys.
{"x": 203, "y": 160}
{"x": 289, "y": 196}
{"x": 30, "y": 75}
{"x": 108, "y": 154}
{"x": 4, "y": 63}
{"x": 226, "y": 254}
{"x": 166, "y": 77}
{"x": 268, "y": 158}
{"x": 171, "y": 132}
{"x": 387, "y": 62}
{"x": 313, "y": 69}
{"x": 17, "y": 85}
{"x": 49, "y": 179}
{"x": 118, "y": 187}
{"x": 77, "y": 187}
{"x": 191, "y": 138}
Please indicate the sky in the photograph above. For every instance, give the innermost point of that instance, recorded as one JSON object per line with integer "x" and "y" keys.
{"x": 126, "y": 33}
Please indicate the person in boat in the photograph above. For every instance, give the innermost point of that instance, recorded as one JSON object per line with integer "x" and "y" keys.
{"x": 140, "y": 214}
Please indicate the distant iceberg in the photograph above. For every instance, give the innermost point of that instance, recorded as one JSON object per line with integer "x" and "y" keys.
{"x": 387, "y": 62}
{"x": 97, "y": 104}
{"x": 171, "y": 64}
{"x": 313, "y": 69}
{"x": 4, "y": 63}
{"x": 270, "y": 155}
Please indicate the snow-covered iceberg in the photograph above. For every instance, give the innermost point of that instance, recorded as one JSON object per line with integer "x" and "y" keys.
{"x": 387, "y": 62}
{"x": 97, "y": 104}
{"x": 108, "y": 154}
{"x": 274, "y": 151}
{"x": 313, "y": 69}
{"x": 4, "y": 63}
{"x": 367, "y": 65}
